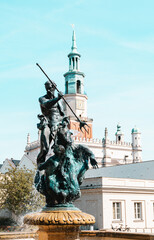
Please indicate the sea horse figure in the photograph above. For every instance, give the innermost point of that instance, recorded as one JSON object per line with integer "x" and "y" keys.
{"x": 64, "y": 171}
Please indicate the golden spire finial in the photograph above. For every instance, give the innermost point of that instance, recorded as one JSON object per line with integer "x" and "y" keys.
{"x": 73, "y": 26}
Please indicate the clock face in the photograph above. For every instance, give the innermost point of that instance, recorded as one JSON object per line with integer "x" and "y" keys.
{"x": 80, "y": 104}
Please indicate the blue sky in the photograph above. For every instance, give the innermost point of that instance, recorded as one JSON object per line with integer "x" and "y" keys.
{"x": 116, "y": 41}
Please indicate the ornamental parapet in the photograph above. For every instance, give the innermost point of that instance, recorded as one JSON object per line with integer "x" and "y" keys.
{"x": 128, "y": 144}
{"x": 77, "y": 140}
{"x": 114, "y": 143}
{"x": 86, "y": 119}
{"x": 87, "y": 140}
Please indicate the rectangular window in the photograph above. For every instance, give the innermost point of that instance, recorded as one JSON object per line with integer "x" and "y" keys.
{"x": 138, "y": 210}
{"x": 117, "y": 210}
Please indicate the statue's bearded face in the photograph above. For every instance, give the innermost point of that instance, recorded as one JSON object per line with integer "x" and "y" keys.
{"x": 49, "y": 88}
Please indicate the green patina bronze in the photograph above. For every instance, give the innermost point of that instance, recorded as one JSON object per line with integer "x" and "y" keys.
{"x": 64, "y": 170}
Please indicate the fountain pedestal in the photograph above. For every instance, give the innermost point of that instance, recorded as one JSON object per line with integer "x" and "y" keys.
{"x": 59, "y": 223}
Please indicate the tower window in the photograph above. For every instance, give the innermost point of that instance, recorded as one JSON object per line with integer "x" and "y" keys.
{"x": 119, "y": 138}
{"x": 77, "y": 63}
{"x": 66, "y": 87}
{"x": 78, "y": 86}
{"x": 73, "y": 62}
{"x": 70, "y": 62}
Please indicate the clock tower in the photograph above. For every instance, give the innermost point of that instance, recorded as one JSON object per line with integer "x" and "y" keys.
{"x": 75, "y": 94}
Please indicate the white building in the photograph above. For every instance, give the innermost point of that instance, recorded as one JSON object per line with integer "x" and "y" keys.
{"x": 119, "y": 151}
{"x": 118, "y": 195}
{"x": 7, "y": 164}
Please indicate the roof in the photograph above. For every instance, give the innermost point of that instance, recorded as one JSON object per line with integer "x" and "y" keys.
{"x": 143, "y": 170}
{"x": 135, "y": 130}
{"x": 16, "y": 162}
{"x": 119, "y": 132}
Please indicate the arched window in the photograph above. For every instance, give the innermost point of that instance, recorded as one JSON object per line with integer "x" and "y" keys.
{"x": 78, "y": 86}
{"x": 119, "y": 138}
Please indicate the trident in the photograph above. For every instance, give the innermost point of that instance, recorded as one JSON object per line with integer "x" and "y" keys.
{"x": 82, "y": 123}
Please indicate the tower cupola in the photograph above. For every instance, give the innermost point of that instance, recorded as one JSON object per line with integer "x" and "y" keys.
{"x": 74, "y": 79}
{"x": 75, "y": 94}
{"x": 119, "y": 134}
{"x": 136, "y": 145}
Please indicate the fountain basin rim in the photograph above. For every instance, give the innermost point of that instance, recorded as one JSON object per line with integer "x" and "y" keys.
{"x": 59, "y": 217}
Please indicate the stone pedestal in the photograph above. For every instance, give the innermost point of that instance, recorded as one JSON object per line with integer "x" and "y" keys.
{"x": 58, "y": 232}
{"x": 59, "y": 223}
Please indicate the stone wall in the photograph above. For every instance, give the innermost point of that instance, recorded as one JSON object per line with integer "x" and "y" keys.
{"x": 84, "y": 235}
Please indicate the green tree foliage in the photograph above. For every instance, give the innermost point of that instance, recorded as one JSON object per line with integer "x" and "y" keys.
{"x": 17, "y": 192}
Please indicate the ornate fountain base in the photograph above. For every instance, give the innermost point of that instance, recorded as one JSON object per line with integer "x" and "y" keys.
{"x": 59, "y": 222}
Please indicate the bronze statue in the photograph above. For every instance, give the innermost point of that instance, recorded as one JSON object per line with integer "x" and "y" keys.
{"x": 51, "y": 116}
{"x": 65, "y": 169}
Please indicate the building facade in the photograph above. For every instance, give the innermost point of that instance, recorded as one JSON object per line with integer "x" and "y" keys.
{"x": 120, "y": 197}
{"x": 119, "y": 151}
{"x": 9, "y": 163}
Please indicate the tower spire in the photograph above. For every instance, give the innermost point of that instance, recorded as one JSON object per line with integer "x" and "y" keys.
{"x": 74, "y": 46}
{"x": 119, "y": 134}
{"x": 74, "y": 91}
{"x": 28, "y": 138}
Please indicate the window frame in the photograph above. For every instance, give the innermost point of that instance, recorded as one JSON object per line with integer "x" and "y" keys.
{"x": 115, "y": 212}
{"x": 138, "y": 214}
